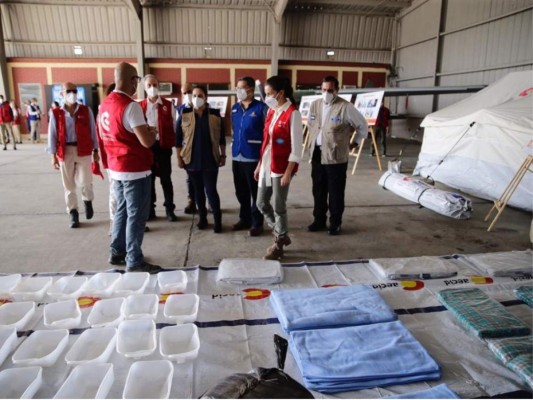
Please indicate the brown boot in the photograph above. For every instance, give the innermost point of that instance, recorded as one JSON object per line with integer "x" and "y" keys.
{"x": 275, "y": 252}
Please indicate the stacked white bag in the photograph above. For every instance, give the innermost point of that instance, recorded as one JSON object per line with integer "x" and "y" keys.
{"x": 449, "y": 204}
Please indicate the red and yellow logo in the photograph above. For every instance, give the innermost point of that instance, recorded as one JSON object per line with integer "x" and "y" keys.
{"x": 256, "y": 294}
{"x": 412, "y": 285}
{"x": 333, "y": 285}
{"x": 526, "y": 92}
{"x": 87, "y": 301}
{"x": 164, "y": 296}
{"x": 482, "y": 280}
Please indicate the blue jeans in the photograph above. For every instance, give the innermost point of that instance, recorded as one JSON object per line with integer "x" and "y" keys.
{"x": 133, "y": 207}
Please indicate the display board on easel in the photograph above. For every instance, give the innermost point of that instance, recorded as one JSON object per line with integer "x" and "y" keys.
{"x": 220, "y": 103}
{"x": 368, "y": 105}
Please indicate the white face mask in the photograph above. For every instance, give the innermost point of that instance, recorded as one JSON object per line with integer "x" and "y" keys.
{"x": 187, "y": 99}
{"x": 242, "y": 94}
{"x": 71, "y": 98}
{"x": 198, "y": 102}
{"x": 271, "y": 101}
{"x": 152, "y": 91}
{"x": 327, "y": 97}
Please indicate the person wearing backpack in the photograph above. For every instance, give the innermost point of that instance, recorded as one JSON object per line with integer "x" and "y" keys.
{"x": 6, "y": 117}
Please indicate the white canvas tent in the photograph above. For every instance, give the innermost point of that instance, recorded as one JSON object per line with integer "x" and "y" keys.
{"x": 483, "y": 140}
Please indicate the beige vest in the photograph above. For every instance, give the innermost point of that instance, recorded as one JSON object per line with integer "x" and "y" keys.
{"x": 188, "y": 123}
{"x": 336, "y": 133}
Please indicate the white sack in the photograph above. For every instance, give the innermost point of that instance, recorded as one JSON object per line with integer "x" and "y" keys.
{"x": 446, "y": 203}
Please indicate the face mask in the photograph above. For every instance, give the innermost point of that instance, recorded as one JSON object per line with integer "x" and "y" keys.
{"x": 327, "y": 97}
{"x": 241, "y": 94}
{"x": 152, "y": 91}
{"x": 271, "y": 101}
{"x": 71, "y": 98}
{"x": 198, "y": 102}
{"x": 187, "y": 99}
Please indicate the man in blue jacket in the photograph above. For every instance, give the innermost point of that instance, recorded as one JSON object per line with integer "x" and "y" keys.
{"x": 248, "y": 120}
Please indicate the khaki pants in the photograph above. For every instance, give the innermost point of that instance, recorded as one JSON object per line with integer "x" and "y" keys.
{"x": 6, "y": 130}
{"x": 76, "y": 171}
{"x": 16, "y": 132}
{"x": 35, "y": 127}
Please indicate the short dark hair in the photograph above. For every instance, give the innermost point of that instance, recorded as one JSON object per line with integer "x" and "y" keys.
{"x": 250, "y": 82}
{"x": 278, "y": 83}
{"x": 331, "y": 78}
{"x": 203, "y": 88}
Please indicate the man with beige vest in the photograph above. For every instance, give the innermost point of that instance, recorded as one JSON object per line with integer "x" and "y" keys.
{"x": 331, "y": 123}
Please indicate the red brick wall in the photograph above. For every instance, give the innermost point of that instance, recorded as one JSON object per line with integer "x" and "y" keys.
{"x": 169, "y": 75}
{"x": 312, "y": 77}
{"x": 211, "y": 75}
{"x": 260, "y": 74}
{"x": 377, "y": 79}
{"x": 75, "y": 75}
{"x": 350, "y": 78}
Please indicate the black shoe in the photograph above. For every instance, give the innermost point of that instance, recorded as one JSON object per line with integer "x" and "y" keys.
{"x": 89, "y": 212}
{"x": 256, "y": 231}
{"x": 217, "y": 228}
{"x": 119, "y": 259}
{"x": 240, "y": 226}
{"x": 5, "y": 148}
{"x": 202, "y": 224}
{"x": 190, "y": 208}
{"x": 334, "y": 230}
{"x": 14, "y": 148}
{"x": 152, "y": 215}
{"x": 316, "y": 227}
{"x": 74, "y": 219}
{"x": 171, "y": 216}
{"x": 147, "y": 229}
{"x": 145, "y": 267}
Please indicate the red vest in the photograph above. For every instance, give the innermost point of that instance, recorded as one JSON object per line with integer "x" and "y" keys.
{"x": 124, "y": 151}
{"x": 18, "y": 119}
{"x": 167, "y": 137}
{"x": 82, "y": 128}
{"x": 6, "y": 113}
{"x": 280, "y": 145}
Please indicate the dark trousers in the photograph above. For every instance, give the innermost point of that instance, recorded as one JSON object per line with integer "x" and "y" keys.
{"x": 381, "y": 139}
{"x": 246, "y": 192}
{"x": 205, "y": 182}
{"x": 162, "y": 167}
{"x": 190, "y": 188}
{"x": 329, "y": 183}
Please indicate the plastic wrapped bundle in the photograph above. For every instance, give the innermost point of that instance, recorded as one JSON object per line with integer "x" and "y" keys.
{"x": 525, "y": 293}
{"x": 441, "y": 391}
{"x": 261, "y": 383}
{"x": 414, "y": 268}
{"x": 445, "y": 203}
{"x": 517, "y": 355}
{"x": 482, "y": 315}
{"x": 249, "y": 271}
{"x": 503, "y": 263}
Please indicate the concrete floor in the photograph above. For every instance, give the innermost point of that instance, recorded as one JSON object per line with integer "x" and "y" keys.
{"x": 35, "y": 237}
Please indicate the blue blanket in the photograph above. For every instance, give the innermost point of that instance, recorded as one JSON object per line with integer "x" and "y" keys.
{"x": 361, "y": 357}
{"x": 329, "y": 307}
{"x": 436, "y": 392}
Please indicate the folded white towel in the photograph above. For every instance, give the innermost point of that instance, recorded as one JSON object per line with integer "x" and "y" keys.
{"x": 249, "y": 271}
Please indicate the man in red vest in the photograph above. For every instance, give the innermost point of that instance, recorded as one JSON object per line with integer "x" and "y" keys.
{"x": 160, "y": 114}
{"x": 6, "y": 118}
{"x": 73, "y": 144}
{"x": 127, "y": 141}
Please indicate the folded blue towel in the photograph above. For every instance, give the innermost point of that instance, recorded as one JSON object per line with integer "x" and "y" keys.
{"x": 360, "y": 357}
{"x": 436, "y": 392}
{"x": 329, "y": 307}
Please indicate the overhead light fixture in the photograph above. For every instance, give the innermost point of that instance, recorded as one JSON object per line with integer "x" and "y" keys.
{"x": 78, "y": 50}
{"x": 330, "y": 53}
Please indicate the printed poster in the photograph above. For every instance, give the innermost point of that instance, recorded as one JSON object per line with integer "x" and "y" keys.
{"x": 368, "y": 105}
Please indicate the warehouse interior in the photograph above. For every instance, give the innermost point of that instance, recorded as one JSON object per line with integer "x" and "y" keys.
{"x": 425, "y": 54}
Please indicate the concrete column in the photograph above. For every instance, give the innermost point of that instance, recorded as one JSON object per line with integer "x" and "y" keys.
{"x": 4, "y": 79}
{"x": 276, "y": 32}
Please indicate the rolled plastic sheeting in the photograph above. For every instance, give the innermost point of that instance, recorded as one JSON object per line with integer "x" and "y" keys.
{"x": 445, "y": 203}
{"x": 261, "y": 383}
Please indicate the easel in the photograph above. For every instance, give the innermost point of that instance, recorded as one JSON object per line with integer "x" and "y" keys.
{"x": 306, "y": 138}
{"x": 358, "y": 154}
{"x": 506, "y": 196}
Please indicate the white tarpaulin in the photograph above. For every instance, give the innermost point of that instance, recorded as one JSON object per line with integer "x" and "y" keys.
{"x": 449, "y": 204}
{"x": 483, "y": 140}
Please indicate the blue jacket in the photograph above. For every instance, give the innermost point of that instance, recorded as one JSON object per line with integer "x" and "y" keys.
{"x": 248, "y": 127}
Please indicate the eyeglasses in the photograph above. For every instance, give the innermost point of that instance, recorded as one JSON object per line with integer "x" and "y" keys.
{"x": 75, "y": 91}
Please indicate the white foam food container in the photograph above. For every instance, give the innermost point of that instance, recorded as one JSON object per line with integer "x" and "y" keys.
{"x": 31, "y": 288}
{"x": 41, "y": 348}
{"x": 67, "y": 287}
{"x": 149, "y": 380}
{"x": 182, "y": 307}
{"x": 88, "y": 381}
{"x": 8, "y": 342}
{"x": 172, "y": 281}
{"x": 63, "y": 314}
{"x": 179, "y": 343}
{"x": 106, "y": 312}
{"x": 8, "y": 283}
{"x": 136, "y": 338}
{"x": 93, "y": 346}
{"x": 132, "y": 283}
{"x": 102, "y": 284}
{"x": 20, "y": 383}
{"x": 141, "y": 306}
{"x": 16, "y": 314}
